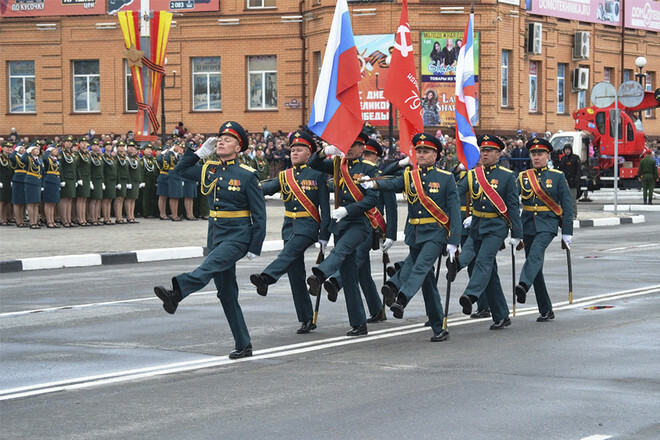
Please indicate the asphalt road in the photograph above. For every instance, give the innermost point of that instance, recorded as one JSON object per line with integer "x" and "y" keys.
{"x": 90, "y": 354}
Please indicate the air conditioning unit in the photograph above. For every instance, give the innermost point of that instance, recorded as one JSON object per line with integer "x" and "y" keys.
{"x": 581, "y": 78}
{"x": 534, "y": 38}
{"x": 581, "y": 46}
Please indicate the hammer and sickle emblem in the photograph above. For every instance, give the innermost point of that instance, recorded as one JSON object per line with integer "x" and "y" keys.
{"x": 404, "y": 47}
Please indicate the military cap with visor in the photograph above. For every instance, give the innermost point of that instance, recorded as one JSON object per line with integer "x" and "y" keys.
{"x": 235, "y": 130}
{"x": 300, "y": 137}
{"x": 374, "y": 147}
{"x": 538, "y": 144}
{"x": 489, "y": 141}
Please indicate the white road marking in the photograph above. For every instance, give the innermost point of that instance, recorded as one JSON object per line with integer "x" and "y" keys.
{"x": 625, "y": 248}
{"x": 285, "y": 350}
{"x": 597, "y": 437}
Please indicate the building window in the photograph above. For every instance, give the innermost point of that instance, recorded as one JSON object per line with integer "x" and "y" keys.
{"x": 86, "y": 86}
{"x": 649, "y": 87}
{"x": 318, "y": 62}
{"x": 129, "y": 95}
{"x": 533, "y": 87}
{"x": 608, "y": 74}
{"x": 561, "y": 88}
{"x": 262, "y": 77}
{"x": 22, "y": 94}
{"x": 627, "y": 75}
{"x": 582, "y": 99}
{"x": 254, "y": 4}
{"x": 505, "y": 78}
{"x": 206, "y": 83}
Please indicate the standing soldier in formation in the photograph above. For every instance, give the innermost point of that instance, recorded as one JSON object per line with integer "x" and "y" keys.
{"x": 122, "y": 182}
{"x": 304, "y": 192}
{"x": 68, "y": 182}
{"x": 35, "y": 169}
{"x": 354, "y": 221}
{"x": 96, "y": 183}
{"x": 109, "y": 184}
{"x": 149, "y": 175}
{"x": 174, "y": 181}
{"x": 433, "y": 226}
{"x": 261, "y": 163}
{"x": 6, "y": 173}
{"x": 133, "y": 186}
{"x": 83, "y": 181}
{"x": 237, "y": 227}
{"x": 18, "y": 185}
{"x": 547, "y": 205}
{"x": 495, "y": 210}
{"x": 51, "y": 185}
{"x": 162, "y": 184}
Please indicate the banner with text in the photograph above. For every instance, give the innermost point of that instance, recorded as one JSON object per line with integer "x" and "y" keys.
{"x": 374, "y": 57}
{"x": 165, "y": 5}
{"x": 439, "y": 53}
{"x": 643, "y": 14}
{"x": 591, "y": 11}
{"x": 41, "y": 8}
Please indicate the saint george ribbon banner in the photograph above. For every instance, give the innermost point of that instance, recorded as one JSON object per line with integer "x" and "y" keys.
{"x": 146, "y": 64}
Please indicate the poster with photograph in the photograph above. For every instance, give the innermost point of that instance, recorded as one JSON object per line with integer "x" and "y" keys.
{"x": 374, "y": 52}
{"x": 439, "y": 54}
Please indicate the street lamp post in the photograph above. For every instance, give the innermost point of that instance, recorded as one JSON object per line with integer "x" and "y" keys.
{"x": 162, "y": 104}
{"x": 640, "y": 62}
{"x": 391, "y": 121}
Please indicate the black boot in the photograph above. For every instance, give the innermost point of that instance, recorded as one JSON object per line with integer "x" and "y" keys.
{"x": 332, "y": 287}
{"x": 238, "y": 354}
{"x": 521, "y": 292}
{"x": 260, "y": 282}
{"x": 170, "y": 298}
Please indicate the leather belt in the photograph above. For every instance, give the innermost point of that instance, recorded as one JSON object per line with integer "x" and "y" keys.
{"x": 229, "y": 214}
{"x": 164, "y": 172}
{"x": 57, "y": 173}
{"x": 422, "y": 221}
{"x": 535, "y": 208}
{"x": 301, "y": 214}
{"x": 34, "y": 174}
{"x": 484, "y": 214}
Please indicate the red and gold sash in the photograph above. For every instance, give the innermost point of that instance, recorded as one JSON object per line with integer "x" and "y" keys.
{"x": 375, "y": 217}
{"x": 492, "y": 195}
{"x": 301, "y": 196}
{"x": 542, "y": 194}
{"x": 427, "y": 202}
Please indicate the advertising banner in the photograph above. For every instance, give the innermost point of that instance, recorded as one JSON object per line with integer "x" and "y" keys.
{"x": 439, "y": 53}
{"x": 592, "y": 11}
{"x": 374, "y": 57}
{"x": 643, "y": 14}
{"x": 115, "y": 6}
{"x": 41, "y": 8}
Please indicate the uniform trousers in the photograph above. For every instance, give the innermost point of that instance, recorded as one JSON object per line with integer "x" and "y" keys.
{"x": 220, "y": 266}
{"x": 291, "y": 260}
{"x": 485, "y": 279}
{"x": 468, "y": 251}
{"x": 532, "y": 270}
{"x": 342, "y": 259}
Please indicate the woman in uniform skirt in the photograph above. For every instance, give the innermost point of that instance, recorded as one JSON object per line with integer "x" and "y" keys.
{"x": 162, "y": 183}
{"x": 35, "y": 168}
{"x": 174, "y": 183}
{"x": 83, "y": 176}
{"x": 109, "y": 184}
{"x": 96, "y": 183}
{"x": 18, "y": 185}
{"x": 68, "y": 181}
{"x": 133, "y": 186}
{"x": 51, "y": 185}
{"x": 122, "y": 182}
{"x": 6, "y": 173}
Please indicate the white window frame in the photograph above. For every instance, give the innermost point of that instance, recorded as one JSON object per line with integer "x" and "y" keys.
{"x": 561, "y": 88}
{"x": 648, "y": 113}
{"x": 128, "y": 76}
{"x": 87, "y": 77}
{"x": 533, "y": 87}
{"x": 207, "y": 75}
{"x": 262, "y": 5}
{"x": 504, "y": 81}
{"x": 608, "y": 74}
{"x": 264, "y": 74}
{"x": 23, "y": 78}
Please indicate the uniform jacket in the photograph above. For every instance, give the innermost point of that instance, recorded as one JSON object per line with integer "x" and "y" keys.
{"x": 109, "y": 170}
{"x": 34, "y": 167}
{"x": 83, "y": 168}
{"x": 554, "y": 183}
{"x": 96, "y": 167}
{"x": 68, "y": 167}
{"x": 18, "y": 166}
{"x": 229, "y": 186}
{"x": 51, "y": 169}
{"x": 387, "y": 206}
{"x": 315, "y": 186}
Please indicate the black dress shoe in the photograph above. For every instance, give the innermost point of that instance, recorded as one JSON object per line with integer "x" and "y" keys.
{"x": 332, "y": 287}
{"x": 466, "y": 303}
{"x": 389, "y": 294}
{"x": 238, "y": 354}
{"x": 314, "y": 285}
{"x": 377, "y": 317}
{"x": 481, "y": 314}
{"x": 397, "y": 310}
{"x": 306, "y": 327}
{"x": 439, "y": 337}
{"x": 521, "y": 293}
{"x": 499, "y": 325}
{"x": 360, "y": 330}
{"x": 261, "y": 284}
{"x": 546, "y": 316}
{"x": 170, "y": 298}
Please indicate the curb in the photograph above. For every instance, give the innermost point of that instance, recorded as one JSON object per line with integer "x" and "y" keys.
{"x": 165, "y": 254}
{"x": 635, "y": 208}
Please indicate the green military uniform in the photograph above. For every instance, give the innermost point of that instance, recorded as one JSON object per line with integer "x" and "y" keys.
{"x": 96, "y": 176}
{"x": 122, "y": 176}
{"x": 540, "y": 225}
{"x": 150, "y": 173}
{"x": 487, "y": 233}
{"x": 134, "y": 180}
{"x": 261, "y": 165}
{"x": 83, "y": 174}
{"x": 109, "y": 177}
{"x": 68, "y": 166}
{"x": 648, "y": 174}
{"x": 6, "y": 173}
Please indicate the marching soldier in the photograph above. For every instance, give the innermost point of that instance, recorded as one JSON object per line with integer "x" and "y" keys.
{"x": 149, "y": 175}
{"x": 133, "y": 185}
{"x": 96, "y": 183}
{"x": 433, "y": 226}
{"x": 18, "y": 184}
{"x": 357, "y": 208}
{"x": 51, "y": 184}
{"x": 68, "y": 182}
{"x": 495, "y": 210}
{"x": 122, "y": 182}
{"x": 304, "y": 192}
{"x": 547, "y": 205}
{"x": 83, "y": 181}
{"x": 6, "y": 173}
{"x": 237, "y": 227}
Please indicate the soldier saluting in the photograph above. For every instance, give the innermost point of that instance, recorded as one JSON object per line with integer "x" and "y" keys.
{"x": 304, "y": 192}
{"x": 547, "y": 204}
{"x": 237, "y": 227}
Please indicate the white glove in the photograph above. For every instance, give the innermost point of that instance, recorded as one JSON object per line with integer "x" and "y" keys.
{"x": 183, "y": 184}
{"x": 103, "y": 186}
{"x": 129, "y": 186}
{"x": 118, "y": 186}
{"x": 386, "y": 245}
{"x": 467, "y": 222}
{"x": 366, "y": 182}
{"x": 91, "y": 185}
{"x": 79, "y": 183}
{"x": 141, "y": 185}
{"x": 207, "y": 148}
{"x": 1, "y": 185}
{"x": 404, "y": 162}
{"x": 251, "y": 256}
{"x": 567, "y": 240}
{"x": 324, "y": 245}
{"x": 514, "y": 242}
{"x": 339, "y": 213}
{"x": 451, "y": 251}
{"x": 62, "y": 184}
{"x": 42, "y": 189}
{"x": 331, "y": 150}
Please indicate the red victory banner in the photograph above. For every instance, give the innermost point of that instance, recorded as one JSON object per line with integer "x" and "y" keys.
{"x": 146, "y": 58}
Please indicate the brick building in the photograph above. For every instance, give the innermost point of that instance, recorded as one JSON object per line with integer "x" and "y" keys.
{"x": 257, "y": 62}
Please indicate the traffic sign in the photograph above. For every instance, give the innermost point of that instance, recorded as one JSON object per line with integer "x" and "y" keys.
{"x": 631, "y": 93}
{"x": 603, "y": 94}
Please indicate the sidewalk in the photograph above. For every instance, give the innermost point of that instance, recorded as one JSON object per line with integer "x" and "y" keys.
{"x": 157, "y": 240}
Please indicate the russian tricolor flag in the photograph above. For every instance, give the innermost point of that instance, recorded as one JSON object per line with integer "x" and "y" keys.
{"x": 467, "y": 150}
{"x": 336, "y": 116}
